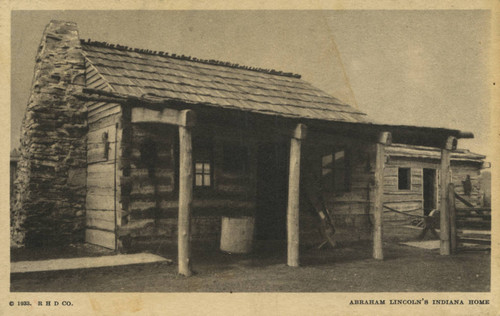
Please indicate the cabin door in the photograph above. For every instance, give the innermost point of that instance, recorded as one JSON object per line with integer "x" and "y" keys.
{"x": 430, "y": 190}
{"x": 272, "y": 191}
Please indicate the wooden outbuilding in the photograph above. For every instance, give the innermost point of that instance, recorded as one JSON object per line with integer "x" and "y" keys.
{"x": 169, "y": 144}
{"x": 412, "y": 183}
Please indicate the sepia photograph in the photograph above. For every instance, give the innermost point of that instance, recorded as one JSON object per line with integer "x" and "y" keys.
{"x": 251, "y": 151}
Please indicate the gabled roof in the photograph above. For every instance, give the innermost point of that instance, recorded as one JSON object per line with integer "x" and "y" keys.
{"x": 142, "y": 73}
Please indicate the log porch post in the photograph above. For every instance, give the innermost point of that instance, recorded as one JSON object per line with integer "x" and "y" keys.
{"x": 292, "y": 213}
{"x": 453, "y": 217}
{"x": 451, "y": 143}
{"x": 186, "y": 122}
{"x": 383, "y": 140}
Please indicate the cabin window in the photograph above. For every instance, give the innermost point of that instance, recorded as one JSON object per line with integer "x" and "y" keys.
{"x": 203, "y": 164}
{"x": 404, "y": 178}
{"x": 203, "y": 174}
{"x": 335, "y": 171}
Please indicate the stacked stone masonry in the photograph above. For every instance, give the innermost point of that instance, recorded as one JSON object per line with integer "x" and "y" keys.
{"x": 50, "y": 186}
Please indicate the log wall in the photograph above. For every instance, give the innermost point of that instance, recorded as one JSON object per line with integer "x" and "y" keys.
{"x": 407, "y": 201}
{"x": 411, "y": 201}
{"x": 350, "y": 210}
{"x": 149, "y": 187}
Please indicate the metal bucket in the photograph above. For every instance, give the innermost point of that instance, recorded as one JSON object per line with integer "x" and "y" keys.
{"x": 237, "y": 234}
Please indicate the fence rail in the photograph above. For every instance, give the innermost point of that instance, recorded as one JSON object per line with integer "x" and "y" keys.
{"x": 473, "y": 223}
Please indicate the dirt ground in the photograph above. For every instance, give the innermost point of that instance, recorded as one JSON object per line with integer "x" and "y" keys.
{"x": 345, "y": 269}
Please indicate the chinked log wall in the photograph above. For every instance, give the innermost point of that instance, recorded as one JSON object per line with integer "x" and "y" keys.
{"x": 351, "y": 211}
{"x": 149, "y": 188}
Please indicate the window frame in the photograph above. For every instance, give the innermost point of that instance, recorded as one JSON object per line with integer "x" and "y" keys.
{"x": 203, "y": 162}
{"x": 409, "y": 179}
{"x": 347, "y": 179}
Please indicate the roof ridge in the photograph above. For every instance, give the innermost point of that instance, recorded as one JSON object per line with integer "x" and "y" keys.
{"x": 189, "y": 58}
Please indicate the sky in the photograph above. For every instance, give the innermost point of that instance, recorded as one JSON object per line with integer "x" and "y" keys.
{"x": 425, "y": 68}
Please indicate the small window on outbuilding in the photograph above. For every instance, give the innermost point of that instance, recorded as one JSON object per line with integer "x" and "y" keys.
{"x": 404, "y": 178}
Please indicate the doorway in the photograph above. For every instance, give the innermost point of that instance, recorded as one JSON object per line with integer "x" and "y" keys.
{"x": 272, "y": 191}
{"x": 429, "y": 190}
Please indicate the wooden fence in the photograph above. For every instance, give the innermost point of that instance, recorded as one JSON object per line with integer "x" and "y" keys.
{"x": 473, "y": 224}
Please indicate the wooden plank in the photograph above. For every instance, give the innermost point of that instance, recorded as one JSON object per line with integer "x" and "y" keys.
{"x": 101, "y": 168}
{"x": 159, "y": 172}
{"x": 99, "y": 202}
{"x": 398, "y": 199}
{"x": 410, "y": 162}
{"x": 95, "y": 135}
{"x": 104, "y": 122}
{"x": 100, "y": 174}
{"x": 165, "y": 116}
{"x": 95, "y": 153}
{"x": 103, "y": 112}
{"x": 403, "y": 206}
{"x": 103, "y": 191}
{"x": 101, "y": 238}
{"x": 101, "y": 116}
{"x": 148, "y": 189}
{"x": 95, "y": 223}
{"x": 106, "y": 182}
{"x": 103, "y": 107}
{"x": 402, "y": 193}
{"x": 233, "y": 188}
{"x": 104, "y": 215}
{"x": 95, "y": 105}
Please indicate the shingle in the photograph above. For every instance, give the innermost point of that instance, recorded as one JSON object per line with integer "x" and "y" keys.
{"x": 136, "y": 74}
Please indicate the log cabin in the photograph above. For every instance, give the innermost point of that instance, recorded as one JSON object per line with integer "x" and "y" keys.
{"x": 120, "y": 144}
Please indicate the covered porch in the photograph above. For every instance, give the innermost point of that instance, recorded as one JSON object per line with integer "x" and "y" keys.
{"x": 277, "y": 158}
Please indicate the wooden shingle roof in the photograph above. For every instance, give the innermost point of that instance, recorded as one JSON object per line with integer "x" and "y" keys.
{"x": 141, "y": 73}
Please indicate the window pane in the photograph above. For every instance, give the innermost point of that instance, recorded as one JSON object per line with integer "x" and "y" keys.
{"x": 326, "y": 171}
{"x": 404, "y": 178}
{"x": 206, "y": 167}
{"x": 206, "y": 180}
{"x": 199, "y": 180}
{"x": 327, "y": 161}
{"x": 199, "y": 167}
{"x": 339, "y": 155}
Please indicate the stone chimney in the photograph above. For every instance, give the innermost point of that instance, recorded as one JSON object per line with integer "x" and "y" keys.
{"x": 50, "y": 186}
